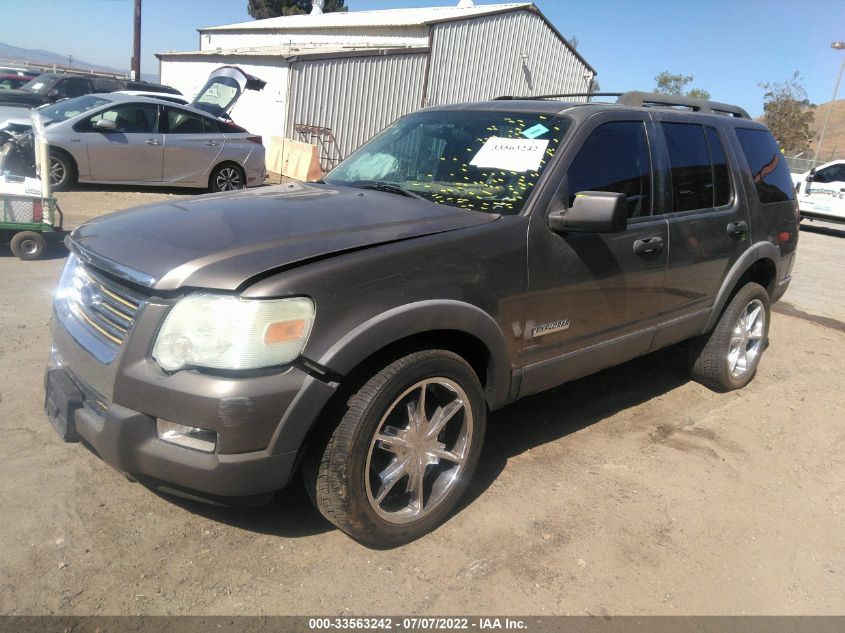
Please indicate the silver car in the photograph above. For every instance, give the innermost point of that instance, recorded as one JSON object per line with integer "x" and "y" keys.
{"x": 123, "y": 139}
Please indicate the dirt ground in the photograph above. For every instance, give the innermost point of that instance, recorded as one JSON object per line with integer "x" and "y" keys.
{"x": 634, "y": 491}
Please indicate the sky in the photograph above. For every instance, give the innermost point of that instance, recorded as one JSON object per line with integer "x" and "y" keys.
{"x": 730, "y": 46}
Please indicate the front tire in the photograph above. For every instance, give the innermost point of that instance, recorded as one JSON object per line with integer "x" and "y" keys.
{"x": 404, "y": 452}
{"x": 62, "y": 171}
{"x": 227, "y": 177}
{"x": 728, "y": 357}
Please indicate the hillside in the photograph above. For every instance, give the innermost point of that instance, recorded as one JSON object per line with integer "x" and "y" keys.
{"x": 9, "y": 53}
{"x": 834, "y": 136}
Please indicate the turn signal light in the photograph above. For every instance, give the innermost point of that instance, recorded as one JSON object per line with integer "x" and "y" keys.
{"x": 284, "y": 331}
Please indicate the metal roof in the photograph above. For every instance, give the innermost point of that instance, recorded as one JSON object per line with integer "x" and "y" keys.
{"x": 297, "y": 52}
{"x": 376, "y": 18}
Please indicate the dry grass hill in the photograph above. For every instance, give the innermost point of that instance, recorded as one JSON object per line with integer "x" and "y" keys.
{"x": 834, "y": 137}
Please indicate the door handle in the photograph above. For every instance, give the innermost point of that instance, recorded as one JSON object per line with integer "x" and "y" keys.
{"x": 211, "y": 143}
{"x": 737, "y": 229}
{"x": 648, "y": 245}
{"x": 152, "y": 141}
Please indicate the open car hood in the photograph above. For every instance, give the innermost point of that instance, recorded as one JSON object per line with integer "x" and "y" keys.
{"x": 223, "y": 89}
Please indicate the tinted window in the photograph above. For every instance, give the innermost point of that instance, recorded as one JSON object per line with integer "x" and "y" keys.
{"x": 184, "y": 122}
{"x": 834, "y": 173}
{"x": 72, "y": 87}
{"x": 721, "y": 175}
{"x": 615, "y": 157}
{"x": 104, "y": 84}
{"x": 692, "y": 176}
{"x": 134, "y": 118}
{"x": 768, "y": 167}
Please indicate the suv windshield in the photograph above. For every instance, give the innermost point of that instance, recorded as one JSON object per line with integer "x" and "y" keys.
{"x": 484, "y": 161}
{"x": 68, "y": 108}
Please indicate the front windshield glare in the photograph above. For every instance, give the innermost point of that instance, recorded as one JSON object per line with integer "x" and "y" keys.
{"x": 484, "y": 161}
{"x": 68, "y": 108}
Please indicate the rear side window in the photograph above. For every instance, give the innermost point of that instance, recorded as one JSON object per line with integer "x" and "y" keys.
{"x": 615, "y": 158}
{"x": 768, "y": 167}
{"x": 689, "y": 158}
{"x": 721, "y": 175}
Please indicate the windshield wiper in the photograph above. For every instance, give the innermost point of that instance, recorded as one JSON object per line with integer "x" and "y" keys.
{"x": 390, "y": 187}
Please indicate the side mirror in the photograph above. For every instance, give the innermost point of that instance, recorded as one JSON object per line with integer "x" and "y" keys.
{"x": 592, "y": 212}
{"x": 53, "y": 94}
{"x": 812, "y": 175}
{"x": 105, "y": 125}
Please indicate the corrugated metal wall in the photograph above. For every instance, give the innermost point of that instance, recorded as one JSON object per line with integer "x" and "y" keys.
{"x": 355, "y": 97}
{"x": 482, "y": 58}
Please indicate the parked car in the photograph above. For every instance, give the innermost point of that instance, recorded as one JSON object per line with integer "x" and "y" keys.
{"x": 362, "y": 327}
{"x": 821, "y": 192}
{"x": 51, "y": 87}
{"x": 121, "y": 139}
{"x": 11, "y": 82}
{"x": 19, "y": 72}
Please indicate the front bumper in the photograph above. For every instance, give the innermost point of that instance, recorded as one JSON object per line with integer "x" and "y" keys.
{"x": 127, "y": 440}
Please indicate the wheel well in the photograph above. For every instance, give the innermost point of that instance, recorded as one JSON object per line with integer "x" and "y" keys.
{"x": 762, "y": 272}
{"x": 58, "y": 150}
{"x": 221, "y": 164}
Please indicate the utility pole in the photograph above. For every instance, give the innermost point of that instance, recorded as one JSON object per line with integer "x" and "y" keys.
{"x": 837, "y": 46}
{"x": 136, "y": 44}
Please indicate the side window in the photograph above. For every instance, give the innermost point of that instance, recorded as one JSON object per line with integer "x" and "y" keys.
{"x": 768, "y": 167}
{"x": 615, "y": 157}
{"x": 692, "y": 176}
{"x": 721, "y": 174}
{"x": 72, "y": 87}
{"x": 104, "y": 84}
{"x": 184, "y": 122}
{"x": 210, "y": 126}
{"x": 834, "y": 173}
{"x": 136, "y": 118}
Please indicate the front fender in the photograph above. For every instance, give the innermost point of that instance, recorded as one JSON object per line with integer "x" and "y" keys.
{"x": 418, "y": 318}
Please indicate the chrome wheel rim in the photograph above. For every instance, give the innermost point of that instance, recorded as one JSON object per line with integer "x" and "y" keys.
{"x": 419, "y": 451}
{"x": 228, "y": 179}
{"x": 29, "y": 247}
{"x": 747, "y": 339}
{"x": 57, "y": 171}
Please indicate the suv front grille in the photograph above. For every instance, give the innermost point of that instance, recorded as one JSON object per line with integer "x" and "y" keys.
{"x": 98, "y": 311}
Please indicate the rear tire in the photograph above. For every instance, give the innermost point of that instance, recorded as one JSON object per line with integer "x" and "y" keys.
{"x": 728, "y": 357}
{"x": 388, "y": 475}
{"x": 28, "y": 245}
{"x": 227, "y": 177}
{"x": 62, "y": 171}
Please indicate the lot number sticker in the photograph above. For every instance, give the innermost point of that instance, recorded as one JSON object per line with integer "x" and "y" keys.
{"x": 511, "y": 154}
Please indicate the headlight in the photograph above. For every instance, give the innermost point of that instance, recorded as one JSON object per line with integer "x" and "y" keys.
{"x": 228, "y": 332}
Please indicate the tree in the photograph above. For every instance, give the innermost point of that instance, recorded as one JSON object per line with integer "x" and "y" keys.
{"x": 789, "y": 114}
{"x": 669, "y": 84}
{"x": 260, "y": 9}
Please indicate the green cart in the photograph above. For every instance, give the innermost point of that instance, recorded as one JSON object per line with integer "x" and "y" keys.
{"x": 27, "y": 223}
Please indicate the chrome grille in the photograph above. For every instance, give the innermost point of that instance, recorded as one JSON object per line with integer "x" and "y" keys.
{"x": 88, "y": 300}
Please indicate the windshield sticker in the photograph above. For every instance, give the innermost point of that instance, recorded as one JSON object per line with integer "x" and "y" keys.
{"x": 511, "y": 154}
{"x": 534, "y": 132}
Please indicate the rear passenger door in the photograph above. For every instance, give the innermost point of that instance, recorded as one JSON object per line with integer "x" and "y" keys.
{"x": 192, "y": 144}
{"x": 593, "y": 297}
{"x": 708, "y": 222}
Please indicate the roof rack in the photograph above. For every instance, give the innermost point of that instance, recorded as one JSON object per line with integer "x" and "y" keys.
{"x": 650, "y": 100}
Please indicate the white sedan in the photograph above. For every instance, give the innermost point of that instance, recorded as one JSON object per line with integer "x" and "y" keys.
{"x": 821, "y": 192}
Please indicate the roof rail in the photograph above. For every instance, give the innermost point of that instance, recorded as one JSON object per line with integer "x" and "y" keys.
{"x": 648, "y": 100}
{"x": 652, "y": 99}
{"x": 558, "y": 96}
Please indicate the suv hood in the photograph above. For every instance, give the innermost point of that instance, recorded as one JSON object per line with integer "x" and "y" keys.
{"x": 221, "y": 241}
{"x": 24, "y": 97}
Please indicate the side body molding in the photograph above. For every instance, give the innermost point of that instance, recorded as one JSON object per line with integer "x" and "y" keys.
{"x": 421, "y": 317}
{"x": 760, "y": 251}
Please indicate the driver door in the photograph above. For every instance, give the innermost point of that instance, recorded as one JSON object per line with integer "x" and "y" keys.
{"x": 594, "y": 297}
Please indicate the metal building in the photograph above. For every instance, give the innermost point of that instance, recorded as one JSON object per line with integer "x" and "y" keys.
{"x": 339, "y": 78}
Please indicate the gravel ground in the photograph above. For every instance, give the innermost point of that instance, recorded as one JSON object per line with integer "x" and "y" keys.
{"x": 633, "y": 491}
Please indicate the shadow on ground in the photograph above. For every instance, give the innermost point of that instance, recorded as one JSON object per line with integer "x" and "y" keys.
{"x": 823, "y": 229}
{"x": 524, "y": 425}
